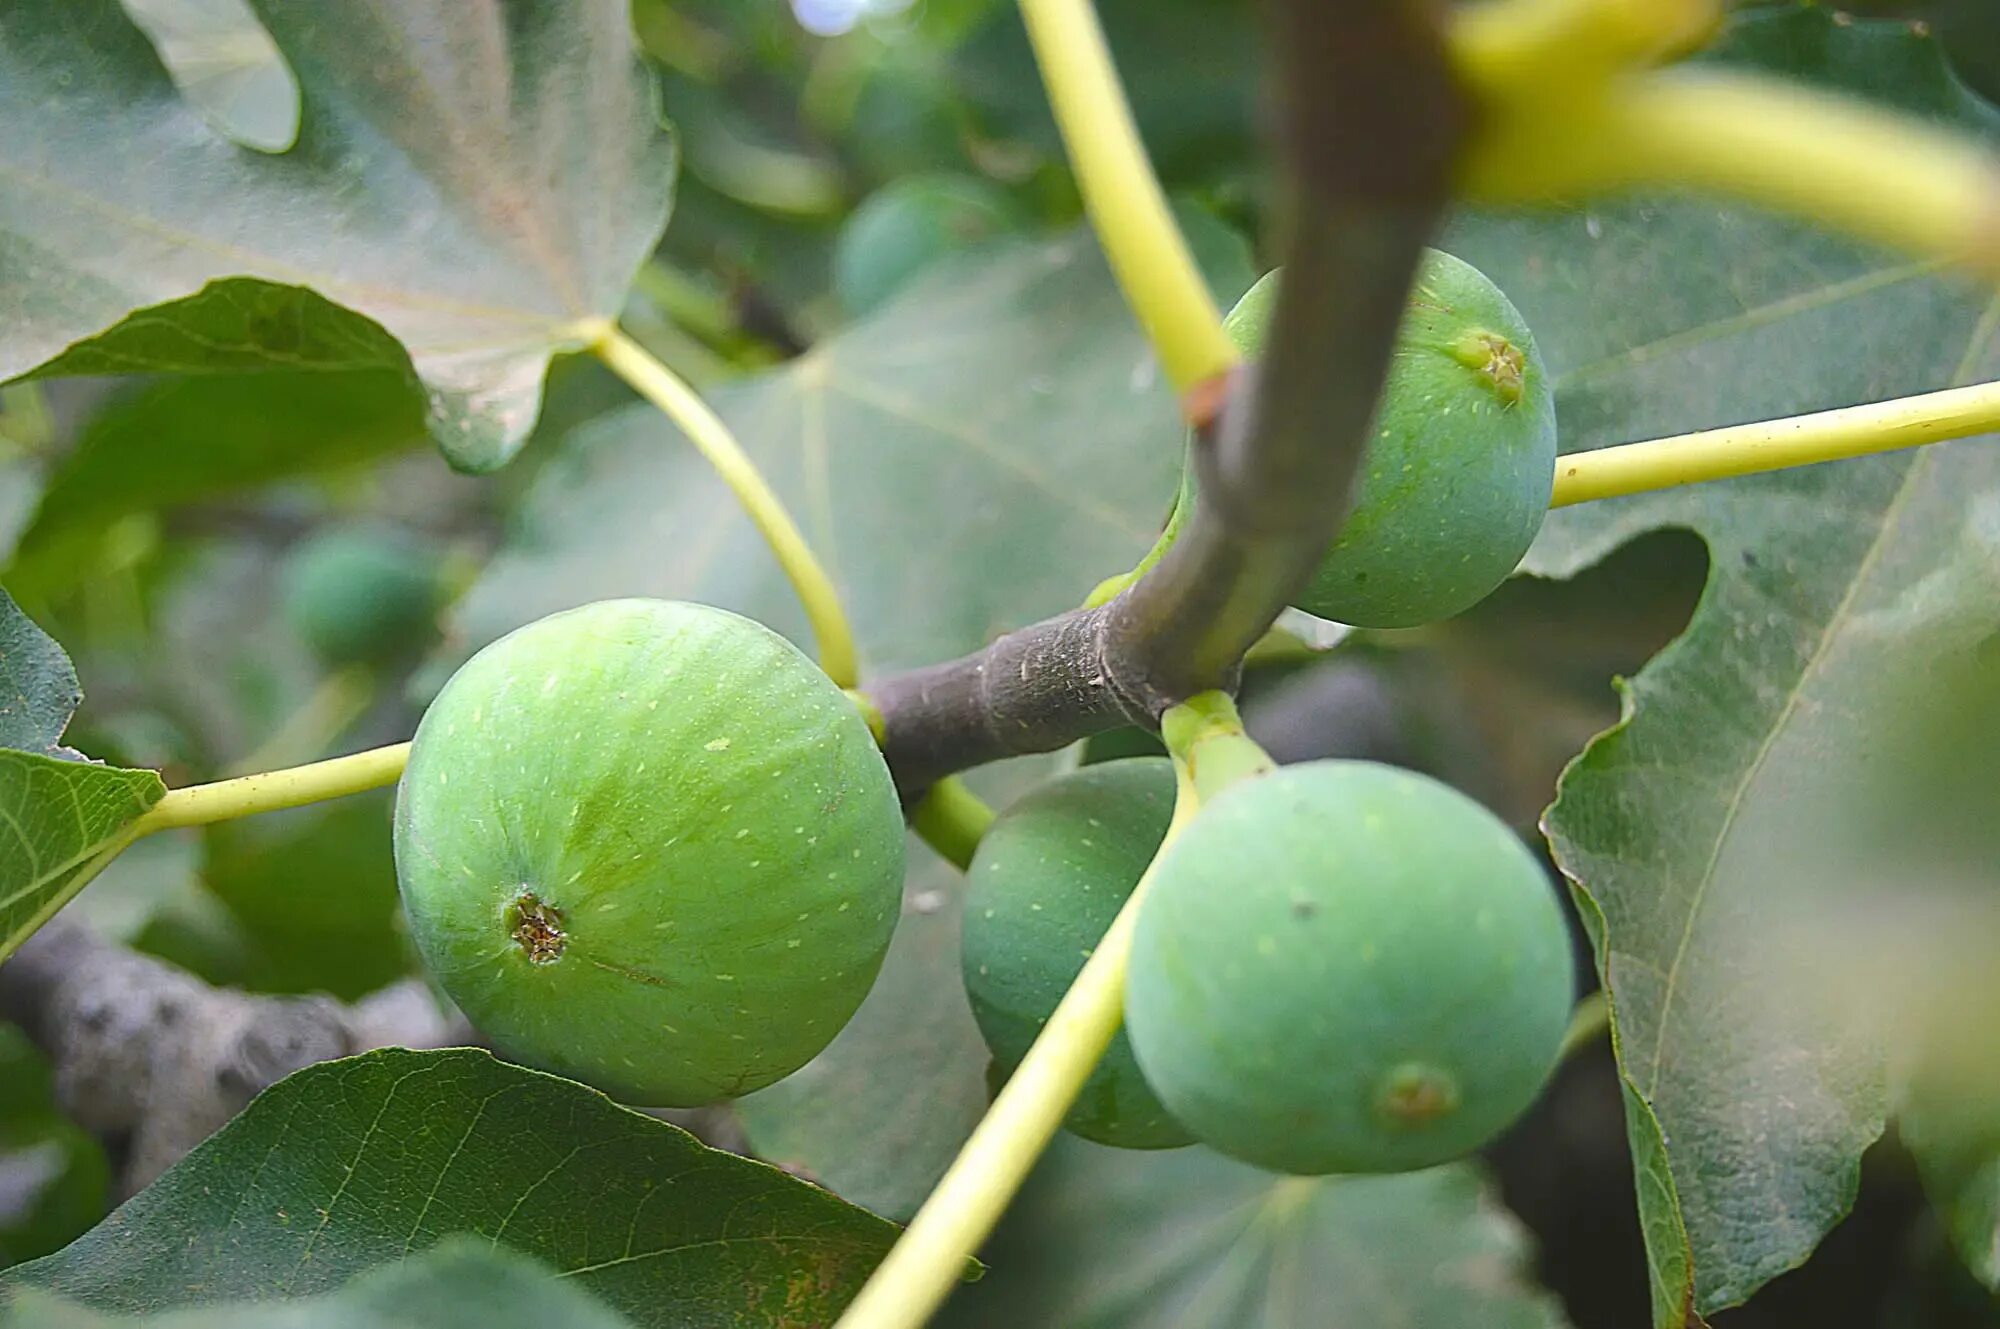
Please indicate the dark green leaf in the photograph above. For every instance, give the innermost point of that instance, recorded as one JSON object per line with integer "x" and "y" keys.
{"x": 459, "y": 1284}
{"x": 352, "y": 1164}
{"x": 1120, "y": 1239}
{"x": 194, "y": 439}
{"x": 476, "y": 178}
{"x": 38, "y": 687}
{"x": 1697, "y": 829}
{"x": 56, "y": 816}
{"x": 57, "y": 810}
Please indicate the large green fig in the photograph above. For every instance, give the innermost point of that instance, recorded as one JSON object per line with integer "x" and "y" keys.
{"x": 1344, "y": 967}
{"x": 1049, "y": 876}
{"x": 1456, "y": 480}
{"x": 650, "y": 845}
{"x": 359, "y": 594}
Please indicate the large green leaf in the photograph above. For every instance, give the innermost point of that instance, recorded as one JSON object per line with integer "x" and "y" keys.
{"x": 188, "y": 440}
{"x": 459, "y": 1284}
{"x": 1694, "y": 831}
{"x": 475, "y": 176}
{"x": 38, "y": 685}
{"x": 58, "y": 811}
{"x": 1118, "y": 1239}
{"x": 972, "y": 457}
{"x": 352, "y": 1164}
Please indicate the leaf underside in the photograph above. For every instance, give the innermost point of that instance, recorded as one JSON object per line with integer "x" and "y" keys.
{"x": 477, "y": 177}
{"x": 1709, "y": 828}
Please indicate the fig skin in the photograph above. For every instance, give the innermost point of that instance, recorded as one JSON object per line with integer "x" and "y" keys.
{"x": 910, "y": 224}
{"x": 1345, "y": 967}
{"x": 649, "y": 845}
{"x": 1049, "y": 876}
{"x": 359, "y": 595}
{"x": 1456, "y": 480}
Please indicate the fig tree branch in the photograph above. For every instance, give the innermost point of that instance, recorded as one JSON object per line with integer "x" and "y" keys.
{"x": 147, "y": 1054}
{"x": 1369, "y": 121}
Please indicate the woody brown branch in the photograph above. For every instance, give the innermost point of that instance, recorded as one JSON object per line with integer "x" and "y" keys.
{"x": 1369, "y": 121}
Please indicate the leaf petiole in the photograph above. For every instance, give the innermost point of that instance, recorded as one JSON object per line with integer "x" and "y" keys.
{"x": 711, "y": 437}
{"x": 910, "y": 1284}
{"x": 1773, "y": 445}
{"x": 1127, "y": 209}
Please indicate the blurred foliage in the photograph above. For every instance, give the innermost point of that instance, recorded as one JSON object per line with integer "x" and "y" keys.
{"x": 54, "y": 1180}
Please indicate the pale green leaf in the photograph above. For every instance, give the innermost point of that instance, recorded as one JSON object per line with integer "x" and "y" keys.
{"x": 477, "y": 177}
{"x": 1703, "y": 831}
{"x": 1122, "y": 1239}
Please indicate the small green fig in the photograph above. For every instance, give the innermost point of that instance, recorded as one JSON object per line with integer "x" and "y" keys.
{"x": 651, "y": 846}
{"x": 1049, "y": 876}
{"x": 1345, "y": 967}
{"x": 1456, "y": 481}
{"x": 904, "y": 227}
{"x": 362, "y": 594}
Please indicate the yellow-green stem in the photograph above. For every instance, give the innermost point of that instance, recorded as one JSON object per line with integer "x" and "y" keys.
{"x": 951, "y": 819}
{"x": 1771, "y": 445}
{"x": 1127, "y": 209}
{"x": 1204, "y": 735}
{"x": 1550, "y": 49}
{"x": 920, "y": 1270}
{"x": 338, "y": 701}
{"x": 704, "y": 428}
{"x": 1832, "y": 160}
{"x": 271, "y": 791}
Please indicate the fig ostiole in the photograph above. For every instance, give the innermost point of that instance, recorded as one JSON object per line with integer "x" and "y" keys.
{"x": 1456, "y": 479}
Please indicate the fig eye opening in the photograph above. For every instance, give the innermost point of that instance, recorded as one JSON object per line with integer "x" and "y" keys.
{"x": 536, "y": 927}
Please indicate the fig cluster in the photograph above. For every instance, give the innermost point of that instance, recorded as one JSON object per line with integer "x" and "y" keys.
{"x": 1338, "y": 967}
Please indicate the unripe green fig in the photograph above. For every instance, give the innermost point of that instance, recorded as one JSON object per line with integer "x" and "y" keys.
{"x": 904, "y": 227}
{"x": 1456, "y": 480}
{"x": 1345, "y": 967}
{"x": 1049, "y": 876}
{"x": 651, "y": 846}
{"x": 362, "y": 594}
